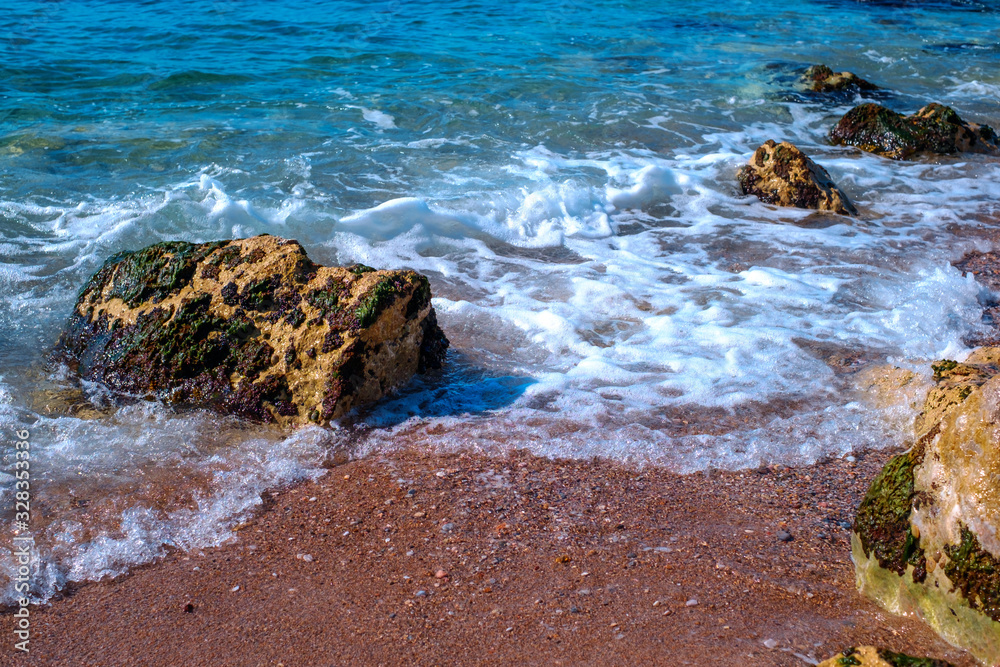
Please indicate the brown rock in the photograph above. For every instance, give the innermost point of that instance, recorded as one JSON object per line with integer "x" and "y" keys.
{"x": 964, "y": 136}
{"x": 822, "y": 79}
{"x": 925, "y": 535}
{"x": 954, "y": 382}
{"x": 781, "y": 174}
{"x": 252, "y": 327}
{"x": 933, "y": 129}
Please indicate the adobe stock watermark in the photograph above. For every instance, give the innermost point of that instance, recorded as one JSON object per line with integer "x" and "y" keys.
{"x": 24, "y": 542}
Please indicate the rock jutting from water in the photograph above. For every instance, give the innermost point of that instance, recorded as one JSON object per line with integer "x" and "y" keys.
{"x": 934, "y": 129}
{"x": 253, "y": 328}
{"x": 870, "y": 656}
{"x": 783, "y": 175}
{"x": 925, "y": 537}
{"x": 822, "y": 79}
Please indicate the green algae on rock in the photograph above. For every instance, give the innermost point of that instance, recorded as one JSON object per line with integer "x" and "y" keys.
{"x": 252, "y": 327}
{"x": 870, "y": 656}
{"x": 883, "y": 519}
{"x": 783, "y": 175}
{"x": 925, "y": 536}
{"x": 822, "y": 79}
{"x": 933, "y": 129}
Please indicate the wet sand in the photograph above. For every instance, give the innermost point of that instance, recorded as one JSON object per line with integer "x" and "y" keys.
{"x": 453, "y": 559}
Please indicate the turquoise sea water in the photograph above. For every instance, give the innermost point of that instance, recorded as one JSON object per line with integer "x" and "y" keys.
{"x": 563, "y": 172}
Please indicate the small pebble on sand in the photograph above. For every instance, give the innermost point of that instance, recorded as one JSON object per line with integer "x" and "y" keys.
{"x": 691, "y": 603}
{"x": 784, "y": 536}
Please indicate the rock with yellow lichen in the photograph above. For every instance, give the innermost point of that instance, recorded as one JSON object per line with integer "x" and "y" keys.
{"x": 781, "y": 174}
{"x": 925, "y": 538}
{"x": 253, "y": 328}
{"x": 870, "y": 656}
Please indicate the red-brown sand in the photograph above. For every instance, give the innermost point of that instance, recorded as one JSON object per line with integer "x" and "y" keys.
{"x": 457, "y": 559}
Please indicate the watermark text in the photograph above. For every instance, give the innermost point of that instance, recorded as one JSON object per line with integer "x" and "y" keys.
{"x": 24, "y": 542}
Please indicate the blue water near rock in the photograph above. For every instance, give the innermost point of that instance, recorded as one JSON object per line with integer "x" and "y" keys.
{"x": 563, "y": 171}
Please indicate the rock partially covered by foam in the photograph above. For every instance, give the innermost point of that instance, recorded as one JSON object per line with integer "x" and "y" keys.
{"x": 934, "y": 129}
{"x": 926, "y": 536}
{"x": 870, "y": 656}
{"x": 781, "y": 174}
{"x": 822, "y": 79}
{"x": 253, "y": 328}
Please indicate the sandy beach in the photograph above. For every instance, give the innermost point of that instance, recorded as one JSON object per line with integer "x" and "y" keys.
{"x": 423, "y": 559}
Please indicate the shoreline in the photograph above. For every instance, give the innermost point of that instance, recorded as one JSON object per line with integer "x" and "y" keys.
{"x": 466, "y": 559}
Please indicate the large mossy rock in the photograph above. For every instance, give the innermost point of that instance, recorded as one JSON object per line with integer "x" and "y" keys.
{"x": 870, "y": 656}
{"x": 253, "y": 328}
{"x": 934, "y": 129}
{"x": 822, "y": 79}
{"x": 783, "y": 175}
{"x": 926, "y": 536}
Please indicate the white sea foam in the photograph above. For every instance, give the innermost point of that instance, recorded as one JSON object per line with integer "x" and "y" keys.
{"x": 975, "y": 91}
{"x": 435, "y": 142}
{"x": 378, "y": 118}
{"x": 664, "y": 312}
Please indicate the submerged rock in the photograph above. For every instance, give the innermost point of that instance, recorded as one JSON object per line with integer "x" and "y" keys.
{"x": 252, "y": 327}
{"x": 926, "y": 537}
{"x": 781, "y": 174}
{"x": 869, "y": 656}
{"x": 822, "y": 79}
{"x": 934, "y": 129}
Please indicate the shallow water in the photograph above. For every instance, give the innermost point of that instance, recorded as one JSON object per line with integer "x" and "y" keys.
{"x": 564, "y": 174}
